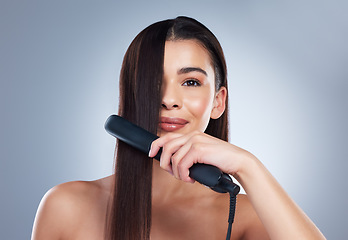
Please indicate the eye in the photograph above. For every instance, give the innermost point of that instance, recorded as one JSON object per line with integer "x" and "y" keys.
{"x": 192, "y": 82}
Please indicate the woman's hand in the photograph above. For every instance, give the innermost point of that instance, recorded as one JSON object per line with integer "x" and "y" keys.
{"x": 180, "y": 152}
{"x": 285, "y": 221}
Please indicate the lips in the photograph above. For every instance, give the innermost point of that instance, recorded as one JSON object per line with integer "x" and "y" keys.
{"x": 169, "y": 124}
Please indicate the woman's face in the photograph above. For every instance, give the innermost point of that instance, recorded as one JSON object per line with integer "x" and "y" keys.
{"x": 189, "y": 97}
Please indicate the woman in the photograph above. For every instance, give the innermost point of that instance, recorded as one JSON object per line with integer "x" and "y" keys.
{"x": 173, "y": 83}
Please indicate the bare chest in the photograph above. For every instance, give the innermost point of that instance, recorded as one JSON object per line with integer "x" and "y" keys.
{"x": 191, "y": 222}
{"x": 91, "y": 222}
{"x": 174, "y": 221}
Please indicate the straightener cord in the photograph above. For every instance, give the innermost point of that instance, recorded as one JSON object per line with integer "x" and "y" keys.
{"x": 233, "y": 199}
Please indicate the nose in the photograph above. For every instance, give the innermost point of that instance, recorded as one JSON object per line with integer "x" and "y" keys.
{"x": 171, "y": 97}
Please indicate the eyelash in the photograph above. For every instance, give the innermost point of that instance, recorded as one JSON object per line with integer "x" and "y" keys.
{"x": 195, "y": 82}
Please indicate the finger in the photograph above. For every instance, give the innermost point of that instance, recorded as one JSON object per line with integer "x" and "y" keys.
{"x": 167, "y": 151}
{"x": 169, "y": 143}
{"x": 193, "y": 156}
{"x": 159, "y": 142}
{"x": 173, "y": 151}
{"x": 177, "y": 156}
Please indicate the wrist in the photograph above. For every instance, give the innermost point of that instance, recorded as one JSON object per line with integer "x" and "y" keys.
{"x": 248, "y": 168}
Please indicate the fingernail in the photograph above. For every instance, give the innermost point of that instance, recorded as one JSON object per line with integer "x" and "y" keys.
{"x": 150, "y": 152}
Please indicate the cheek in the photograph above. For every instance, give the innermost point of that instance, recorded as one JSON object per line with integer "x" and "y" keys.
{"x": 200, "y": 107}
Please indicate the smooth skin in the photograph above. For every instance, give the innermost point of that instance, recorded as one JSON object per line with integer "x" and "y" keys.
{"x": 182, "y": 208}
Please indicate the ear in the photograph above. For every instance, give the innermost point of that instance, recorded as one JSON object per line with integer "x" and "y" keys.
{"x": 219, "y": 103}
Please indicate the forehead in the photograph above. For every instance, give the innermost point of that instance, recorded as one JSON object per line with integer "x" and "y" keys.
{"x": 186, "y": 53}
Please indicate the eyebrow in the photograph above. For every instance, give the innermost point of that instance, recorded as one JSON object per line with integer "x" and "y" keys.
{"x": 191, "y": 69}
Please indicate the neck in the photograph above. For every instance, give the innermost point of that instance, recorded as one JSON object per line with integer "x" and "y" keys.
{"x": 166, "y": 187}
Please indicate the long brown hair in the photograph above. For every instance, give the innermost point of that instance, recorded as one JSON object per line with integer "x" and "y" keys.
{"x": 129, "y": 211}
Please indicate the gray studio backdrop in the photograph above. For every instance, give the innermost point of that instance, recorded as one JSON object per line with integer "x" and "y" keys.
{"x": 59, "y": 67}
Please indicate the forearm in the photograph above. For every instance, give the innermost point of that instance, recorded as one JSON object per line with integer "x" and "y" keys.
{"x": 280, "y": 215}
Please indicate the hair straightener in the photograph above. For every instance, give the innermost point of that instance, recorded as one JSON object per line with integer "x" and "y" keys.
{"x": 205, "y": 174}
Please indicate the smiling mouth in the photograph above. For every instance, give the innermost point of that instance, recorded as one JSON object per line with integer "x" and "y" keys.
{"x": 172, "y": 124}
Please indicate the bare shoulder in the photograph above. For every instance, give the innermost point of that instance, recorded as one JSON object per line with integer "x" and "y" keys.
{"x": 63, "y": 206}
{"x": 248, "y": 220}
